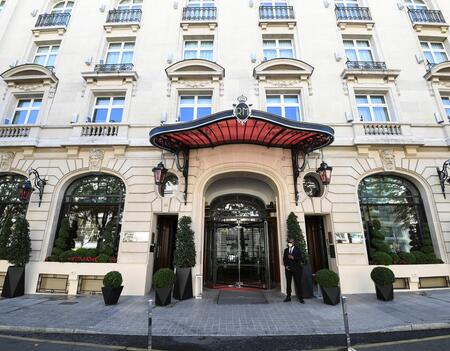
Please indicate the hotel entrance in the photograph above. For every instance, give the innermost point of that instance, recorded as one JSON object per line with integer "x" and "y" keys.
{"x": 238, "y": 241}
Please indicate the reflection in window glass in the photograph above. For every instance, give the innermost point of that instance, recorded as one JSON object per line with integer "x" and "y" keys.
{"x": 170, "y": 186}
{"x": 312, "y": 186}
{"x": 10, "y": 203}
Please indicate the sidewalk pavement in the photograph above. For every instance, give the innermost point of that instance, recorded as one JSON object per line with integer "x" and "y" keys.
{"x": 89, "y": 315}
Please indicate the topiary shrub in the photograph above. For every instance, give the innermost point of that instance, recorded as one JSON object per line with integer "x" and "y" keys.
{"x": 295, "y": 232}
{"x": 62, "y": 242}
{"x": 407, "y": 257}
{"x": 19, "y": 245}
{"x": 378, "y": 236}
{"x": 102, "y": 258}
{"x": 112, "y": 280}
{"x": 382, "y": 276}
{"x": 163, "y": 278}
{"x": 106, "y": 246}
{"x": 327, "y": 279}
{"x": 382, "y": 258}
{"x": 5, "y": 234}
{"x": 421, "y": 258}
{"x": 184, "y": 256}
{"x": 395, "y": 258}
{"x": 64, "y": 257}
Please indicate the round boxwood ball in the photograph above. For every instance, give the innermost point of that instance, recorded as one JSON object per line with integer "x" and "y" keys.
{"x": 327, "y": 279}
{"x": 382, "y": 276}
{"x": 163, "y": 278}
{"x": 112, "y": 280}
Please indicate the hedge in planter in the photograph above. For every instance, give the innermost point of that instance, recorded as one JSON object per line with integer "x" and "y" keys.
{"x": 384, "y": 279}
{"x": 329, "y": 285}
{"x": 184, "y": 259}
{"x": 18, "y": 253}
{"x": 163, "y": 281}
{"x": 112, "y": 287}
{"x": 295, "y": 232}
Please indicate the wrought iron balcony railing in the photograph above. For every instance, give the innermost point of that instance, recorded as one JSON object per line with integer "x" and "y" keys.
{"x": 112, "y": 68}
{"x": 426, "y": 16}
{"x": 276, "y": 12}
{"x": 353, "y": 13}
{"x": 366, "y": 65}
{"x": 124, "y": 16}
{"x": 199, "y": 14}
{"x": 53, "y": 20}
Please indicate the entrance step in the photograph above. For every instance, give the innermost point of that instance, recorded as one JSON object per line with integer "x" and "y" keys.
{"x": 241, "y": 297}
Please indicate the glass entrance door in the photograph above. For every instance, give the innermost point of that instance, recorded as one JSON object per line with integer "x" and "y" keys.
{"x": 240, "y": 254}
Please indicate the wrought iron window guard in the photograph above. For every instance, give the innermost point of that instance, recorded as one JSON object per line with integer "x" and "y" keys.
{"x": 124, "y": 16}
{"x": 366, "y": 65}
{"x": 276, "y": 12}
{"x": 112, "y": 68}
{"x": 426, "y": 16}
{"x": 53, "y": 20}
{"x": 353, "y": 13}
{"x": 199, "y": 13}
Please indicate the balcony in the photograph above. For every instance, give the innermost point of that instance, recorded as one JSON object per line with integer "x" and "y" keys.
{"x": 369, "y": 69}
{"x": 52, "y": 22}
{"x": 383, "y": 128}
{"x": 19, "y": 135}
{"x": 276, "y": 15}
{"x": 123, "y": 19}
{"x": 385, "y": 133}
{"x": 98, "y": 134}
{"x": 421, "y": 19}
{"x": 354, "y": 16}
{"x": 104, "y": 71}
{"x": 99, "y": 130}
{"x": 199, "y": 16}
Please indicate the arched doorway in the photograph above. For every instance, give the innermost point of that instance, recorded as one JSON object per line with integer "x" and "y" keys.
{"x": 239, "y": 242}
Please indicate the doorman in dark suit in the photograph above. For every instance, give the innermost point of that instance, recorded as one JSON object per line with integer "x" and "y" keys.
{"x": 292, "y": 267}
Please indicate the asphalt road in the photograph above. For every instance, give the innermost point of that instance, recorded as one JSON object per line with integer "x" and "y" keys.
{"x": 15, "y": 343}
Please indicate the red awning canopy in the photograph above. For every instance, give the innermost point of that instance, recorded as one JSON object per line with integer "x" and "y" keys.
{"x": 223, "y": 128}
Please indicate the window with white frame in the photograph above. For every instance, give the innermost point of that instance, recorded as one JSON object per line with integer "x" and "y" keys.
{"x": 27, "y": 111}
{"x": 2, "y": 5}
{"x": 358, "y": 50}
{"x": 198, "y": 49}
{"x": 434, "y": 52}
{"x": 446, "y": 103}
{"x": 201, "y": 3}
{"x": 108, "y": 109}
{"x": 193, "y": 107}
{"x": 372, "y": 108}
{"x": 416, "y": 4}
{"x": 46, "y": 55}
{"x": 130, "y": 5}
{"x": 63, "y": 7}
{"x": 274, "y": 3}
{"x": 346, "y": 3}
{"x": 120, "y": 53}
{"x": 285, "y": 105}
{"x": 278, "y": 48}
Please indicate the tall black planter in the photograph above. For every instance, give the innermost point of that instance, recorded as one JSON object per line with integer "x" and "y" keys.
{"x": 331, "y": 296}
{"x": 385, "y": 292}
{"x": 14, "y": 285}
{"x": 183, "y": 284}
{"x": 307, "y": 282}
{"x": 163, "y": 296}
{"x": 111, "y": 295}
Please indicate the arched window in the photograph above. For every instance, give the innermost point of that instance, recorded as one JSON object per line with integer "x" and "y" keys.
{"x": 10, "y": 203}
{"x": 63, "y": 7}
{"x": 130, "y": 4}
{"x": 392, "y": 206}
{"x": 94, "y": 207}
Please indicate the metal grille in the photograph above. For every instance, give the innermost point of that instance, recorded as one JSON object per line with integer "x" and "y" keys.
{"x": 426, "y": 16}
{"x": 368, "y": 65}
{"x": 53, "y": 284}
{"x": 199, "y": 13}
{"x": 353, "y": 13}
{"x": 124, "y": 16}
{"x": 111, "y": 68}
{"x": 276, "y": 12}
{"x": 53, "y": 20}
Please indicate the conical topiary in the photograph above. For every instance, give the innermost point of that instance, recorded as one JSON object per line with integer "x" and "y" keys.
{"x": 5, "y": 234}
{"x": 184, "y": 256}
{"x": 295, "y": 232}
{"x": 63, "y": 239}
{"x": 19, "y": 245}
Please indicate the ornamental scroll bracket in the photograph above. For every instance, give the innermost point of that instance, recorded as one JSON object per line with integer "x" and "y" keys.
{"x": 182, "y": 162}
{"x": 299, "y": 160}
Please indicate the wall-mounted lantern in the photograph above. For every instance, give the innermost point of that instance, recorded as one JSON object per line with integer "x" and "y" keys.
{"x": 443, "y": 176}
{"x": 324, "y": 172}
{"x": 26, "y": 188}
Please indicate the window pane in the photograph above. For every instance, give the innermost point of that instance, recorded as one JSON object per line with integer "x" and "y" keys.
{"x": 118, "y": 101}
{"x": 32, "y": 118}
{"x": 128, "y": 46}
{"x": 437, "y": 46}
{"x": 381, "y": 114}
{"x": 429, "y": 57}
{"x": 377, "y": 99}
{"x": 206, "y": 45}
{"x": 273, "y": 99}
{"x": 40, "y": 60}
{"x": 361, "y": 99}
{"x": 127, "y": 57}
{"x": 269, "y": 43}
{"x": 293, "y": 113}
{"x": 190, "y": 55}
{"x": 362, "y": 43}
{"x": 186, "y": 114}
{"x": 364, "y": 114}
{"x": 190, "y": 44}
{"x": 291, "y": 99}
{"x": 51, "y": 60}
{"x": 115, "y": 46}
{"x": 351, "y": 55}
{"x": 116, "y": 115}
{"x": 24, "y": 103}
{"x": 37, "y": 103}
{"x": 286, "y": 53}
{"x": 440, "y": 57}
{"x": 203, "y": 112}
{"x": 187, "y": 100}
{"x": 112, "y": 58}
{"x": 100, "y": 115}
{"x": 270, "y": 54}
{"x": 19, "y": 117}
{"x": 275, "y": 110}
{"x": 204, "y": 100}
{"x": 206, "y": 55}
{"x": 365, "y": 55}
{"x": 103, "y": 101}
{"x": 285, "y": 44}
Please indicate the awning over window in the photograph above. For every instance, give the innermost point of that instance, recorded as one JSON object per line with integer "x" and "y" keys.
{"x": 223, "y": 128}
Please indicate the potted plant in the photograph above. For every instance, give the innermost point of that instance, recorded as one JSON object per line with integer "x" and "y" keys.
{"x": 384, "y": 279}
{"x": 163, "y": 281}
{"x": 329, "y": 285}
{"x": 112, "y": 287}
{"x": 295, "y": 232}
{"x": 18, "y": 250}
{"x": 184, "y": 259}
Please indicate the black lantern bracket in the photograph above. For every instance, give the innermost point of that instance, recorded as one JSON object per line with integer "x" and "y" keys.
{"x": 182, "y": 161}
{"x": 443, "y": 176}
{"x": 39, "y": 183}
{"x": 299, "y": 161}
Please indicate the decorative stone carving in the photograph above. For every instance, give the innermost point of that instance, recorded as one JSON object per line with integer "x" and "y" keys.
{"x": 388, "y": 159}
{"x": 6, "y": 159}
{"x": 284, "y": 83}
{"x": 96, "y": 157}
